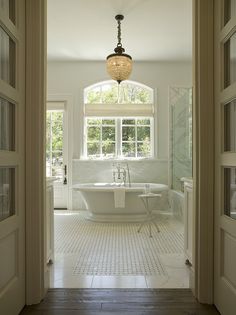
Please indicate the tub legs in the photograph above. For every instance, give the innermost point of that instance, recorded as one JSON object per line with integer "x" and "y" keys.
{"x": 150, "y": 217}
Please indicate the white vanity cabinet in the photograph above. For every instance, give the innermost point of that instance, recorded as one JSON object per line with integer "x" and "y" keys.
{"x": 188, "y": 220}
{"x": 49, "y": 220}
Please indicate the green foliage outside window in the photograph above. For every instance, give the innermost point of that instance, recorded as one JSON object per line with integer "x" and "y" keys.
{"x": 125, "y": 93}
{"x": 118, "y": 137}
{"x": 54, "y": 143}
{"x": 102, "y": 139}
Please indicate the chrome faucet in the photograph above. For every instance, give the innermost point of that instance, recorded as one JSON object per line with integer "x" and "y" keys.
{"x": 127, "y": 167}
{"x": 120, "y": 172}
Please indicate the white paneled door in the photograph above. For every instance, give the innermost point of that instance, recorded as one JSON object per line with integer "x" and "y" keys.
{"x": 12, "y": 156}
{"x": 225, "y": 166}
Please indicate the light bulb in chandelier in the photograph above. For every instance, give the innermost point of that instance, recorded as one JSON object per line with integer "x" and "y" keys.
{"x": 119, "y": 64}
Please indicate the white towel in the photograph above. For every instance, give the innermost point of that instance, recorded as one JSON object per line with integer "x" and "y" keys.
{"x": 119, "y": 197}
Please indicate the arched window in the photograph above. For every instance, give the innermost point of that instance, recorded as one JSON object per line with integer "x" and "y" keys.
{"x": 118, "y": 120}
{"x": 109, "y": 92}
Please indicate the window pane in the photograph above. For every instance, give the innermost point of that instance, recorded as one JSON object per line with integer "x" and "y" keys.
{"x": 143, "y": 133}
{"x": 230, "y": 126}
{"x": 128, "y": 121}
{"x": 128, "y": 149}
{"x": 143, "y": 149}
{"x": 131, "y": 93}
{"x": 57, "y": 163}
{"x": 125, "y": 93}
{"x": 94, "y": 121}
{"x": 48, "y": 164}
{"x": 93, "y": 149}
{"x": 57, "y": 131}
{"x": 143, "y": 122}
{"x": 7, "y": 58}
{"x": 7, "y": 125}
{"x": 93, "y": 96}
{"x": 57, "y": 142}
{"x": 54, "y": 143}
{"x": 7, "y": 192}
{"x": 93, "y": 133}
{"x": 128, "y": 133}
{"x": 230, "y": 192}
{"x": 108, "y": 133}
{"x": 108, "y": 121}
{"x": 108, "y": 149}
{"x": 229, "y": 9}
{"x": 8, "y": 8}
{"x": 109, "y": 93}
{"x": 142, "y": 96}
{"x": 230, "y": 64}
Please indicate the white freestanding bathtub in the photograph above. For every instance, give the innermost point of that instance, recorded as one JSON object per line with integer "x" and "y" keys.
{"x": 99, "y": 201}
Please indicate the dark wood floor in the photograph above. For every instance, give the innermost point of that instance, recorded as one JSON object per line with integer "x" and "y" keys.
{"x": 119, "y": 301}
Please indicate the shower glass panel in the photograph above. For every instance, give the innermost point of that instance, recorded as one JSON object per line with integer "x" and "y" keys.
{"x": 180, "y": 102}
{"x": 7, "y": 192}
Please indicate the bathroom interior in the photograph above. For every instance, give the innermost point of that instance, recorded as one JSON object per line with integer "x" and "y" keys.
{"x": 119, "y": 156}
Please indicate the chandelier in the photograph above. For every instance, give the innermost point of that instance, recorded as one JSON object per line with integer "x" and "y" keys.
{"x": 119, "y": 65}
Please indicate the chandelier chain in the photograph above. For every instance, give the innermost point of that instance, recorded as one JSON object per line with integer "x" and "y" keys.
{"x": 119, "y": 34}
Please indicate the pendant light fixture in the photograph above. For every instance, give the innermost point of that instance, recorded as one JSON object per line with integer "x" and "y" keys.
{"x": 119, "y": 65}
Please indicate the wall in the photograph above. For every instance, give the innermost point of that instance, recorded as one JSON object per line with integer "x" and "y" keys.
{"x": 70, "y": 78}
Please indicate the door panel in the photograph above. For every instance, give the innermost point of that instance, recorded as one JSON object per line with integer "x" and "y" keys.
{"x": 12, "y": 156}
{"x": 225, "y": 154}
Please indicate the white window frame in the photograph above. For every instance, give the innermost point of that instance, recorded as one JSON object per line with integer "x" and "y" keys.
{"x": 136, "y": 140}
{"x": 118, "y": 138}
{"x": 119, "y": 111}
{"x": 100, "y": 140}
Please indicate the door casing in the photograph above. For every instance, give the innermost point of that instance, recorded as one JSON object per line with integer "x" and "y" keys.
{"x": 203, "y": 151}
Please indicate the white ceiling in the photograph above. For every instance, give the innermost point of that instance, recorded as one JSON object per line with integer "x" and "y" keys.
{"x": 152, "y": 30}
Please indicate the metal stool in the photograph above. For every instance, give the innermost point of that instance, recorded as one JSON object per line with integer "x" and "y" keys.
{"x": 150, "y": 216}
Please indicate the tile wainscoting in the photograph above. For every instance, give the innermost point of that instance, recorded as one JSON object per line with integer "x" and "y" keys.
{"x": 90, "y": 171}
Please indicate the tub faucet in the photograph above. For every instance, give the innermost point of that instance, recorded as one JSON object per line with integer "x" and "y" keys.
{"x": 127, "y": 167}
{"x": 120, "y": 172}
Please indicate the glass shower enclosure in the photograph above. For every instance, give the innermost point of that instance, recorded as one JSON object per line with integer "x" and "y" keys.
{"x": 180, "y": 107}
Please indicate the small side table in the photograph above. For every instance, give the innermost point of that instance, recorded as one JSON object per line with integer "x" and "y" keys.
{"x": 150, "y": 218}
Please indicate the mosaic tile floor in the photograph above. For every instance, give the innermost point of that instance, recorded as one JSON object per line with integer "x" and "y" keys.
{"x": 114, "y": 253}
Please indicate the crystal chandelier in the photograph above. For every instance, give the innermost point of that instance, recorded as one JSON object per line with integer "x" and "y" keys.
{"x": 119, "y": 65}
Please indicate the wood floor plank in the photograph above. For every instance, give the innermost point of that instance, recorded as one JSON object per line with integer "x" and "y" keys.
{"x": 119, "y": 301}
